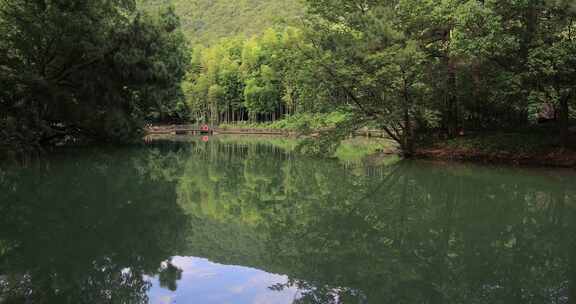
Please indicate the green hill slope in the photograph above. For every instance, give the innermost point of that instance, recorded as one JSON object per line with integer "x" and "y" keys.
{"x": 205, "y": 21}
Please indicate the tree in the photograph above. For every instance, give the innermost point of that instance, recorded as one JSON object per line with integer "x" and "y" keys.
{"x": 481, "y": 65}
{"x": 94, "y": 70}
{"x": 371, "y": 65}
{"x": 552, "y": 62}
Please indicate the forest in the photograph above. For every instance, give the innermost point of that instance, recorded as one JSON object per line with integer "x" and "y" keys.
{"x": 418, "y": 70}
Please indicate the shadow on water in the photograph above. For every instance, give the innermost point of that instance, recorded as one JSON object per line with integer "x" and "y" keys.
{"x": 87, "y": 226}
{"x": 92, "y": 227}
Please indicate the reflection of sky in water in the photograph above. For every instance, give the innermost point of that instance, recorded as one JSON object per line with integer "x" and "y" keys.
{"x": 205, "y": 282}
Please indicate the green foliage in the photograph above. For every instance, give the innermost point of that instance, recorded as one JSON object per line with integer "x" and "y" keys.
{"x": 95, "y": 69}
{"x": 418, "y": 68}
{"x": 522, "y": 142}
{"x": 311, "y": 121}
{"x": 207, "y": 21}
{"x": 357, "y": 149}
{"x": 415, "y": 69}
{"x": 301, "y": 122}
{"x": 258, "y": 79}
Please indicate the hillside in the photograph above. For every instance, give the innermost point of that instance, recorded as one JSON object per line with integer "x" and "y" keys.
{"x": 205, "y": 21}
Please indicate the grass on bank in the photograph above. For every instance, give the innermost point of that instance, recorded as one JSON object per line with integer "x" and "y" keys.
{"x": 535, "y": 146}
{"x": 297, "y": 122}
{"x": 527, "y": 141}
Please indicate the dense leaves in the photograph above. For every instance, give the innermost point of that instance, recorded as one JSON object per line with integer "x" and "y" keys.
{"x": 93, "y": 69}
{"x": 418, "y": 66}
{"x": 419, "y": 70}
{"x": 260, "y": 79}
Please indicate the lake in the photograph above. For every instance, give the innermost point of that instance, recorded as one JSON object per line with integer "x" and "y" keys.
{"x": 242, "y": 220}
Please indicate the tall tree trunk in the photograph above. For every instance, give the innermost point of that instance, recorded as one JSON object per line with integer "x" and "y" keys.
{"x": 527, "y": 37}
{"x": 408, "y": 140}
{"x": 408, "y": 136}
{"x": 564, "y": 121}
{"x": 477, "y": 94}
{"x": 452, "y": 98}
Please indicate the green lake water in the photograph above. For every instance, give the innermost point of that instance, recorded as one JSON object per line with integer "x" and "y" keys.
{"x": 249, "y": 221}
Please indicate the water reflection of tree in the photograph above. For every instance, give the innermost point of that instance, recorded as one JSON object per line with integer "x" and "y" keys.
{"x": 89, "y": 229}
{"x": 169, "y": 276}
{"x": 403, "y": 233}
{"x": 438, "y": 236}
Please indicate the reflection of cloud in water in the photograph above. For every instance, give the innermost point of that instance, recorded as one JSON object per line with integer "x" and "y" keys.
{"x": 165, "y": 300}
{"x": 193, "y": 267}
{"x": 206, "y": 282}
{"x": 259, "y": 280}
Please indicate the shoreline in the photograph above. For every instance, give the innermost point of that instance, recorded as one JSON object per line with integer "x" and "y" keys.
{"x": 551, "y": 159}
{"x": 506, "y": 154}
{"x": 548, "y": 157}
{"x": 173, "y": 129}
